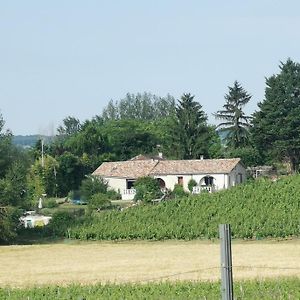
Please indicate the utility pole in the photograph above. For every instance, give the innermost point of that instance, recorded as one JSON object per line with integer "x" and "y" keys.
{"x": 226, "y": 262}
{"x": 42, "y": 153}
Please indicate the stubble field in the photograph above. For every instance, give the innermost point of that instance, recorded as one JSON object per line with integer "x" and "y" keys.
{"x": 143, "y": 262}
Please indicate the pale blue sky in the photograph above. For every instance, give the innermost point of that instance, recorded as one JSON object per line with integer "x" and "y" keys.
{"x": 61, "y": 58}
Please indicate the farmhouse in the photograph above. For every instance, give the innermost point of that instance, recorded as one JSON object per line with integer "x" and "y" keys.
{"x": 210, "y": 174}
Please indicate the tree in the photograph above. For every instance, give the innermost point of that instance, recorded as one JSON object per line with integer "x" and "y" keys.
{"x": 235, "y": 122}
{"x": 70, "y": 173}
{"x": 190, "y": 131}
{"x": 139, "y": 106}
{"x": 9, "y": 219}
{"x": 6, "y": 148}
{"x": 276, "y": 126}
{"x": 91, "y": 186}
{"x": 70, "y": 126}
{"x": 13, "y": 187}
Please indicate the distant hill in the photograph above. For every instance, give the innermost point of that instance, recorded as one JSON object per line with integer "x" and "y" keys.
{"x": 28, "y": 141}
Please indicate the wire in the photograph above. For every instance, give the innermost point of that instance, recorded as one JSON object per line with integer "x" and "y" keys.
{"x": 212, "y": 268}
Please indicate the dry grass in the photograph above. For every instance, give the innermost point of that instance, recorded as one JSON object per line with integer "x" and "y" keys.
{"x": 143, "y": 261}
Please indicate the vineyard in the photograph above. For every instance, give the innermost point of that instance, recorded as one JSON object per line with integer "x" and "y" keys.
{"x": 258, "y": 209}
{"x": 257, "y": 289}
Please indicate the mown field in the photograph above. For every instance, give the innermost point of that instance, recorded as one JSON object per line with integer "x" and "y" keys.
{"x": 143, "y": 262}
{"x": 258, "y": 209}
{"x": 284, "y": 288}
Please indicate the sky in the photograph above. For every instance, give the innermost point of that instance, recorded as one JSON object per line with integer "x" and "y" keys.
{"x": 64, "y": 58}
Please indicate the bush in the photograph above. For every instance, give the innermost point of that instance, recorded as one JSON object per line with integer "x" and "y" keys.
{"x": 179, "y": 192}
{"x": 147, "y": 189}
{"x": 50, "y": 203}
{"x": 92, "y": 185}
{"x": 191, "y": 184}
{"x": 113, "y": 195}
{"x": 99, "y": 201}
{"x": 61, "y": 221}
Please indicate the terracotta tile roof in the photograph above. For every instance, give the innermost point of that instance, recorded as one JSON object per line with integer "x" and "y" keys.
{"x": 126, "y": 169}
{"x": 138, "y": 168}
{"x": 202, "y": 166}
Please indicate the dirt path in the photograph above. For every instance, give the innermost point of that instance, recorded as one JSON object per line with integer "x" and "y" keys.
{"x": 143, "y": 261}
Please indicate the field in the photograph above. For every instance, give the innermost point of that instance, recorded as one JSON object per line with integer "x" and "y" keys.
{"x": 143, "y": 262}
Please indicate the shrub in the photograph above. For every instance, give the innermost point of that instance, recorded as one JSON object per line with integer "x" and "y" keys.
{"x": 191, "y": 184}
{"x": 92, "y": 185}
{"x": 50, "y": 203}
{"x": 147, "y": 189}
{"x": 113, "y": 195}
{"x": 98, "y": 201}
{"x": 179, "y": 192}
{"x": 61, "y": 221}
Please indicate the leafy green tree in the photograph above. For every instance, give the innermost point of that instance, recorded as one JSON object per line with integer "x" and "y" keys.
{"x": 69, "y": 173}
{"x": 276, "y": 125}
{"x": 13, "y": 187}
{"x": 190, "y": 130}
{"x": 249, "y": 155}
{"x": 90, "y": 140}
{"x": 147, "y": 189}
{"x": 70, "y": 126}
{"x": 9, "y": 220}
{"x": 43, "y": 178}
{"x": 6, "y": 148}
{"x": 139, "y": 106}
{"x": 235, "y": 122}
{"x": 128, "y": 138}
{"x": 92, "y": 185}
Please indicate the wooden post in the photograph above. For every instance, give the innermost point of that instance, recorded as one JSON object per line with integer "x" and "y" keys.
{"x": 226, "y": 262}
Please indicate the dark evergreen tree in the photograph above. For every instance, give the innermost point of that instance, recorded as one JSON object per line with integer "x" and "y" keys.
{"x": 190, "y": 131}
{"x": 276, "y": 126}
{"x": 235, "y": 122}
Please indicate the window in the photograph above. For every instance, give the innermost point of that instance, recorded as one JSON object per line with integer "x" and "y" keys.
{"x": 208, "y": 180}
{"x": 180, "y": 180}
{"x": 240, "y": 177}
{"x": 130, "y": 183}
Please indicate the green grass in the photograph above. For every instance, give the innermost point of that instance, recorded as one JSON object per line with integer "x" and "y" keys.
{"x": 257, "y": 209}
{"x": 284, "y": 288}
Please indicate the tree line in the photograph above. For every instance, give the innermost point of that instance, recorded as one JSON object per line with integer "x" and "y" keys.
{"x": 147, "y": 124}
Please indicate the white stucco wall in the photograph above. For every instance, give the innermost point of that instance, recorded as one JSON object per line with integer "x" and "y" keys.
{"x": 119, "y": 185}
{"x": 221, "y": 181}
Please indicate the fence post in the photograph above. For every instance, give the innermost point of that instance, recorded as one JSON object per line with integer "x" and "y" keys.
{"x": 226, "y": 262}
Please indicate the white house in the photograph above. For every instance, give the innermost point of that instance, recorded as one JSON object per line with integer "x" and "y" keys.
{"x": 209, "y": 174}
